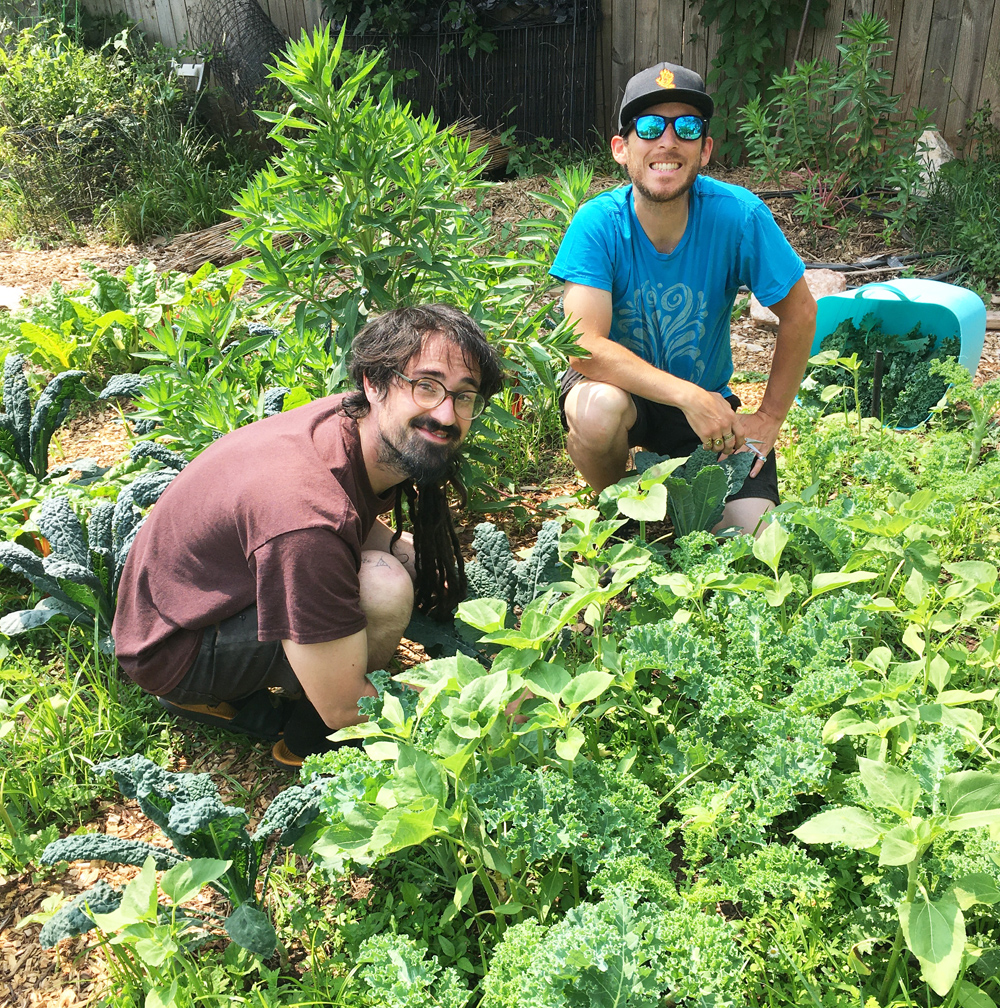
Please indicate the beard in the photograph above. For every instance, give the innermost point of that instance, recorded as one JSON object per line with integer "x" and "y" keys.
{"x": 640, "y": 187}
{"x": 421, "y": 460}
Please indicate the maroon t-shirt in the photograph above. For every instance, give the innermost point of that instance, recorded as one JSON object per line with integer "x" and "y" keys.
{"x": 273, "y": 514}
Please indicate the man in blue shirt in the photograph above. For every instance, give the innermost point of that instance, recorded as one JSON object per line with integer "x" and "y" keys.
{"x": 651, "y": 272}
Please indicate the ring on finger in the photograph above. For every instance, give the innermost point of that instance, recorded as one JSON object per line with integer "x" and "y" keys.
{"x": 708, "y": 446}
{"x": 717, "y": 440}
{"x": 729, "y": 437}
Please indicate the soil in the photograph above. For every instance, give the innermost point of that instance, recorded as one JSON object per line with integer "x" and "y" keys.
{"x": 76, "y": 972}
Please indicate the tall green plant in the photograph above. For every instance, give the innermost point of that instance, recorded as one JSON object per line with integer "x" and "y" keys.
{"x": 841, "y": 128}
{"x": 751, "y": 36}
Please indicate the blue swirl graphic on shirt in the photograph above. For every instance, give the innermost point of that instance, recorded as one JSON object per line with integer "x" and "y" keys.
{"x": 664, "y": 327}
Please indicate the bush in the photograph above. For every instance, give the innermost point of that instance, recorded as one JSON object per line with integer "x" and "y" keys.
{"x": 103, "y": 134}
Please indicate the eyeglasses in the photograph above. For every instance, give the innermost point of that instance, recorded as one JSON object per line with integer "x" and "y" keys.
{"x": 429, "y": 392}
{"x": 652, "y": 127}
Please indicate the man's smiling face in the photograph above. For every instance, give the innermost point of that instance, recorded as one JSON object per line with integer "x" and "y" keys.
{"x": 422, "y": 443}
{"x": 664, "y": 169}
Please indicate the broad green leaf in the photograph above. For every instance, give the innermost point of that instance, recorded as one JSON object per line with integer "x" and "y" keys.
{"x": 969, "y": 995}
{"x": 770, "y": 544}
{"x": 650, "y": 507}
{"x": 185, "y": 880}
{"x": 160, "y": 998}
{"x": 889, "y": 787}
{"x": 51, "y": 343}
{"x": 935, "y": 934}
{"x": 846, "y": 722}
{"x": 382, "y": 750}
{"x": 487, "y": 615}
{"x": 838, "y": 579}
{"x": 157, "y": 949}
{"x": 462, "y": 894}
{"x": 404, "y": 827}
{"x": 899, "y": 846}
{"x": 849, "y": 825}
{"x": 138, "y": 901}
{"x": 251, "y": 929}
{"x": 587, "y": 686}
{"x": 569, "y": 747}
{"x": 392, "y": 710}
{"x": 976, "y": 888}
{"x": 547, "y": 679}
{"x": 959, "y": 696}
{"x": 972, "y": 798}
{"x": 975, "y": 573}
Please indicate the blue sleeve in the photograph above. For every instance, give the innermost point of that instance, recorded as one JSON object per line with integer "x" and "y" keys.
{"x": 586, "y": 255}
{"x": 768, "y": 265}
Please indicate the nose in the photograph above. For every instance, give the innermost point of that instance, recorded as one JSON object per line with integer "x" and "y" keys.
{"x": 445, "y": 413}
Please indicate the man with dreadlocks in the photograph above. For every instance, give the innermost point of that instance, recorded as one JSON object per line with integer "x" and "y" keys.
{"x": 265, "y": 564}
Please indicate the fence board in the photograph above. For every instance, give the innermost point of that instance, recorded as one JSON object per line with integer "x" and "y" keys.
{"x": 936, "y": 88}
{"x": 915, "y": 26}
{"x": 671, "y": 39}
{"x": 946, "y": 57}
{"x": 989, "y": 88}
{"x": 970, "y": 59}
{"x": 646, "y": 50}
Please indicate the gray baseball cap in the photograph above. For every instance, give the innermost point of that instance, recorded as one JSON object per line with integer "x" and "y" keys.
{"x": 664, "y": 82}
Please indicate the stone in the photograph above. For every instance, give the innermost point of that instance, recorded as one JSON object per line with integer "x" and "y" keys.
{"x": 932, "y": 151}
{"x": 820, "y": 281}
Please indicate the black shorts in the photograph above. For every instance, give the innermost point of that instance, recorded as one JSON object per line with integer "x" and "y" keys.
{"x": 232, "y": 664}
{"x": 665, "y": 430}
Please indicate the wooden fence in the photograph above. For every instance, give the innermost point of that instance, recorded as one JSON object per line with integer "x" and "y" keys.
{"x": 946, "y": 57}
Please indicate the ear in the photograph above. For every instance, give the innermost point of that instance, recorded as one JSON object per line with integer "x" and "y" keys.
{"x": 619, "y": 149}
{"x": 370, "y": 392}
{"x": 706, "y": 151}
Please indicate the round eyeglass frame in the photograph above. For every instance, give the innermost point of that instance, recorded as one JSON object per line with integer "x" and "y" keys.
{"x": 659, "y": 124}
{"x": 459, "y": 399}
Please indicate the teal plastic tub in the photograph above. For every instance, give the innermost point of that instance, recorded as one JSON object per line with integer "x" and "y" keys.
{"x": 939, "y": 308}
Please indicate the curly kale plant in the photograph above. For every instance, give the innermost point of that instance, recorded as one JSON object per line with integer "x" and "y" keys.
{"x": 495, "y": 573}
{"x": 188, "y": 809}
{"x": 618, "y": 953}
{"x": 25, "y": 433}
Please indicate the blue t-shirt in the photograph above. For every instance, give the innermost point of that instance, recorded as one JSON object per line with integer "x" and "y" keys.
{"x": 672, "y": 309}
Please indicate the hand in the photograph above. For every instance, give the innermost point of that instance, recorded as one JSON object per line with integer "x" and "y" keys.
{"x": 713, "y": 420}
{"x": 760, "y": 431}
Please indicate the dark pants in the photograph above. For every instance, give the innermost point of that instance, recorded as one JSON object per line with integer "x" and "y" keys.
{"x": 665, "y": 430}
{"x": 233, "y": 665}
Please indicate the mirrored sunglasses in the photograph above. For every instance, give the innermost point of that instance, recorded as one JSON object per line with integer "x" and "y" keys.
{"x": 687, "y": 127}
{"x": 429, "y": 393}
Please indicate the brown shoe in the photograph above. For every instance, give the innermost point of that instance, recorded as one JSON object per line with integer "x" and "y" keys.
{"x": 218, "y": 714}
{"x": 284, "y": 757}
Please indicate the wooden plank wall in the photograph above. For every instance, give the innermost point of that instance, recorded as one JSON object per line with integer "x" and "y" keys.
{"x": 946, "y": 58}
{"x": 175, "y": 22}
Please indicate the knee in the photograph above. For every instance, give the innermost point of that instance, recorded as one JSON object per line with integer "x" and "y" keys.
{"x": 385, "y": 583}
{"x": 596, "y": 409}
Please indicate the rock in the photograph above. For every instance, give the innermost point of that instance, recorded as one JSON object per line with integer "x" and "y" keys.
{"x": 820, "y": 281}
{"x": 933, "y": 151}
{"x": 11, "y": 297}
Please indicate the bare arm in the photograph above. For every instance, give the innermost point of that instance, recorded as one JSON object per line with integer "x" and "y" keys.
{"x": 381, "y": 536}
{"x": 333, "y": 676}
{"x": 796, "y": 328}
{"x": 708, "y": 413}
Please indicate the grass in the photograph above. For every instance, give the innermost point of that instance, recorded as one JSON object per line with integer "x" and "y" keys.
{"x": 64, "y": 709}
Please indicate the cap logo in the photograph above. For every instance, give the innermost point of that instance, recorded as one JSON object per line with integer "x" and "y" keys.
{"x": 666, "y": 78}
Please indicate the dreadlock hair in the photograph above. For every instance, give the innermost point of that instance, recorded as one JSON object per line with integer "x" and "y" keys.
{"x": 386, "y": 345}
